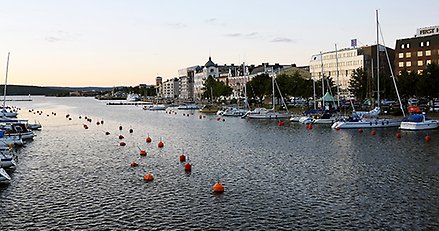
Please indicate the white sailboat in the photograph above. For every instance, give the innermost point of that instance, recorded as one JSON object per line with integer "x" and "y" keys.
{"x": 263, "y": 113}
{"x": 4, "y": 176}
{"x": 5, "y": 112}
{"x": 359, "y": 120}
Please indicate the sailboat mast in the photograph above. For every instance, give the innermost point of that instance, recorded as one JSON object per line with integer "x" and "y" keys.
{"x": 378, "y": 62}
{"x": 323, "y": 82}
{"x": 272, "y": 83}
{"x": 6, "y": 82}
{"x": 338, "y": 84}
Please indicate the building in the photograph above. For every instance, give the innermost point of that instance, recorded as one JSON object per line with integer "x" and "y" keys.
{"x": 186, "y": 79}
{"x": 170, "y": 89}
{"x": 414, "y": 54}
{"x": 346, "y": 61}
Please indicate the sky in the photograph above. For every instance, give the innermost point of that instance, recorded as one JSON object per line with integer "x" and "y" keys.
{"x": 78, "y": 43}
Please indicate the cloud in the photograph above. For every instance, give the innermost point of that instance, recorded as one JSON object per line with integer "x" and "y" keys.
{"x": 282, "y": 40}
{"x": 177, "y": 25}
{"x": 214, "y": 22}
{"x": 240, "y": 35}
{"x": 57, "y": 36}
{"x": 52, "y": 39}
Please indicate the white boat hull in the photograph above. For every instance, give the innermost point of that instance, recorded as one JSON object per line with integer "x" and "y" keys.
{"x": 269, "y": 116}
{"x": 366, "y": 123}
{"x": 4, "y": 176}
{"x": 429, "y": 124}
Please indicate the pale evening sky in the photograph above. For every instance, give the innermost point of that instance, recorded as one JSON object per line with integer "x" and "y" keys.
{"x": 128, "y": 42}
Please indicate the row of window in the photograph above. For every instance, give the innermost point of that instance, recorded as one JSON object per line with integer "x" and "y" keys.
{"x": 419, "y": 54}
{"x": 340, "y": 55}
{"x": 340, "y": 64}
{"x": 421, "y": 44}
{"x": 419, "y": 62}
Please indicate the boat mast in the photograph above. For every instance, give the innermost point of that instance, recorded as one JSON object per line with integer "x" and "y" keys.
{"x": 245, "y": 87}
{"x": 338, "y": 84}
{"x": 378, "y": 61}
{"x": 323, "y": 82}
{"x": 272, "y": 84}
{"x": 6, "y": 82}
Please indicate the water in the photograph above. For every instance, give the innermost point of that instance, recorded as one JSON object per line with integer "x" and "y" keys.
{"x": 275, "y": 178}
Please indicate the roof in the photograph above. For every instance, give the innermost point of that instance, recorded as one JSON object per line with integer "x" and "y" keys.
{"x": 209, "y": 63}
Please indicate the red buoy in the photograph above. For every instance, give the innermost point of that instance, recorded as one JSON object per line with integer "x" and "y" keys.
{"x": 218, "y": 119}
{"x": 373, "y": 132}
{"x": 122, "y": 144}
{"x": 134, "y": 164}
{"x": 107, "y": 133}
{"x": 142, "y": 152}
{"x": 218, "y": 187}
{"x": 121, "y": 137}
{"x": 398, "y": 135}
{"x": 131, "y": 130}
{"x": 102, "y": 122}
{"x": 427, "y": 138}
{"x": 148, "y": 139}
{"x": 120, "y": 128}
{"x": 337, "y": 129}
{"x": 187, "y": 167}
{"x": 360, "y": 130}
{"x": 182, "y": 158}
{"x": 98, "y": 123}
{"x": 161, "y": 144}
{"x": 85, "y": 126}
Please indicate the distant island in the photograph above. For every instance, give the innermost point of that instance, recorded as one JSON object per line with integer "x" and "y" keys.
{"x": 53, "y": 91}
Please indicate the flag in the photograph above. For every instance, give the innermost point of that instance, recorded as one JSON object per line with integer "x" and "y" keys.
{"x": 353, "y": 42}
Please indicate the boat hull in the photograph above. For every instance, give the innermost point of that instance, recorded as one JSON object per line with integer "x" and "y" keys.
{"x": 427, "y": 125}
{"x": 4, "y": 176}
{"x": 268, "y": 116}
{"x": 369, "y": 123}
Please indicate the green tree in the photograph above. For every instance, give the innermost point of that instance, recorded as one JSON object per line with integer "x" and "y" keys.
{"x": 407, "y": 83}
{"x": 358, "y": 83}
{"x": 259, "y": 86}
{"x": 428, "y": 84}
{"x": 215, "y": 89}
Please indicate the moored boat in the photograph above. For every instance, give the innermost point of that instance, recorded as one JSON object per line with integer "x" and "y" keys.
{"x": 418, "y": 122}
{"x": 4, "y": 176}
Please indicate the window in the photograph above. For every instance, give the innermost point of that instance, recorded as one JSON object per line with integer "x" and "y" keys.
{"x": 408, "y": 45}
{"x": 401, "y": 64}
{"x": 408, "y": 54}
{"x": 428, "y": 53}
{"x": 419, "y": 53}
{"x": 427, "y": 43}
{"x": 408, "y": 64}
{"x": 420, "y": 72}
{"x": 401, "y": 55}
{"x": 420, "y": 63}
{"x": 402, "y": 46}
{"x": 428, "y": 62}
{"x": 421, "y": 44}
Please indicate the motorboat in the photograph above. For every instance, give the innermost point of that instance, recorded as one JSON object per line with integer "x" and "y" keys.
{"x": 31, "y": 126}
{"x": 16, "y": 130}
{"x": 327, "y": 118}
{"x": 155, "y": 107}
{"x": 418, "y": 122}
{"x": 358, "y": 122}
{"x": 132, "y": 97}
{"x": 263, "y": 113}
{"x": 232, "y": 111}
{"x": 7, "y": 141}
{"x": 7, "y": 113}
{"x": 188, "y": 107}
{"x": 209, "y": 108}
{"x": 7, "y": 160}
{"x": 4, "y": 176}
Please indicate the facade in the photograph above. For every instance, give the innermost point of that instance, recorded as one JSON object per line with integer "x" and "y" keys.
{"x": 186, "y": 79}
{"x": 414, "y": 54}
{"x": 347, "y": 61}
{"x": 170, "y": 88}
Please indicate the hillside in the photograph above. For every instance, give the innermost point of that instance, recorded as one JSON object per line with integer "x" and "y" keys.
{"x": 37, "y": 90}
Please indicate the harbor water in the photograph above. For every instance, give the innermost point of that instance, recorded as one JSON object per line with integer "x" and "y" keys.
{"x": 275, "y": 177}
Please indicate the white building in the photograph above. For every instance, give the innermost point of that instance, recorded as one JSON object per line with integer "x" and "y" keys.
{"x": 170, "y": 88}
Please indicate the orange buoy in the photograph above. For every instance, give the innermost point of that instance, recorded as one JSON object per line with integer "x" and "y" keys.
{"x": 182, "y": 158}
{"x": 218, "y": 187}
{"x": 148, "y": 139}
{"x": 187, "y": 167}
{"x": 373, "y": 132}
{"x": 142, "y": 152}
{"x": 398, "y": 135}
{"x": 360, "y": 130}
{"x": 122, "y": 144}
{"x": 148, "y": 177}
{"x": 427, "y": 138}
{"x": 121, "y": 137}
{"x": 134, "y": 164}
{"x": 337, "y": 129}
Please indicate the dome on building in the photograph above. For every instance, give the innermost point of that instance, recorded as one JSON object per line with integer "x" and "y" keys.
{"x": 209, "y": 63}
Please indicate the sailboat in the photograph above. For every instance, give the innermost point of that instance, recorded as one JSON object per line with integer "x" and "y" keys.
{"x": 263, "y": 113}
{"x": 4, "y": 177}
{"x": 359, "y": 120}
{"x": 5, "y": 112}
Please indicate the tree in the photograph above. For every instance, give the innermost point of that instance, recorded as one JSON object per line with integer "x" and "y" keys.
{"x": 428, "y": 84}
{"x": 260, "y": 86}
{"x": 358, "y": 83}
{"x": 407, "y": 84}
{"x": 215, "y": 89}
